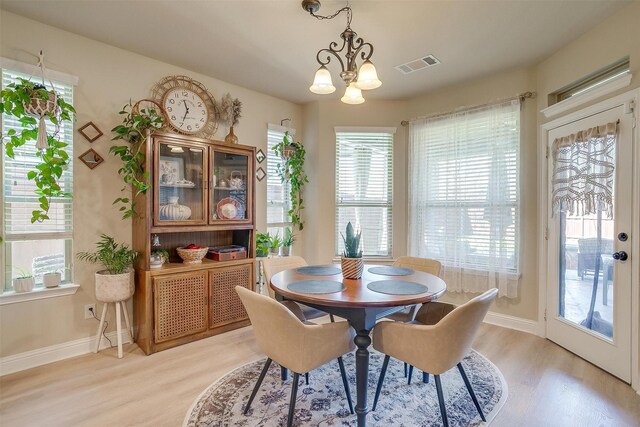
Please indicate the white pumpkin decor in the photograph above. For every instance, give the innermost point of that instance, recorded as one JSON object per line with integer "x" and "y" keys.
{"x": 173, "y": 211}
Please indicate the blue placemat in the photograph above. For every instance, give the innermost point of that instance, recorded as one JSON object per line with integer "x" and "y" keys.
{"x": 316, "y": 286}
{"x": 319, "y": 270}
{"x": 397, "y": 287}
{"x": 389, "y": 270}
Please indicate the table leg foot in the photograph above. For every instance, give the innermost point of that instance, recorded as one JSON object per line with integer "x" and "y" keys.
{"x": 362, "y": 341}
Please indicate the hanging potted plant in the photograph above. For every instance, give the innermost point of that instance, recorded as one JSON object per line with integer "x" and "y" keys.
{"x": 291, "y": 171}
{"x": 31, "y": 104}
{"x": 115, "y": 282}
{"x": 352, "y": 264}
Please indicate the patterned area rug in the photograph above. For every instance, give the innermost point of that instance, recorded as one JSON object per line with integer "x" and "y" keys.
{"x": 323, "y": 402}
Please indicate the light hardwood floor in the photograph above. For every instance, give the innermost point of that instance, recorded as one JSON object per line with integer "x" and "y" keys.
{"x": 548, "y": 386}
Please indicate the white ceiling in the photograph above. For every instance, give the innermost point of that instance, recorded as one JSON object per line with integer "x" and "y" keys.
{"x": 270, "y": 45}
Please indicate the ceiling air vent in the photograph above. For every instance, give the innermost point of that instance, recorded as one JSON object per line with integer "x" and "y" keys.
{"x": 417, "y": 64}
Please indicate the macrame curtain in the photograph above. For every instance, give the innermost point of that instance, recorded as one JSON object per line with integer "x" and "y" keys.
{"x": 583, "y": 166}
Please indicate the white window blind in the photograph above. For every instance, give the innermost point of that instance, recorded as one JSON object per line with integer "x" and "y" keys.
{"x": 464, "y": 205}
{"x": 39, "y": 247}
{"x": 278, "y": 202}
{"x": 19, "y": 191}
{"x": 364, "y": 193}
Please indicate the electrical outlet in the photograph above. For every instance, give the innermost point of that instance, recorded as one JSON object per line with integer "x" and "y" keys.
{"x": 87, "y": 311}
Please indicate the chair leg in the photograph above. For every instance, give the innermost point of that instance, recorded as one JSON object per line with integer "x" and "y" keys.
{"x": 405, "y": 369}
{"x": 343, "y": 374}
{"x": 332, "y": 319}
{"x": 473, "y": 395}
{"x": 306, "y": 378}
{"x": 257, "y": 386}
{"x": 380, "y": 381}
{"x": 292, "y": 402}
{"x": 410, "y": 374}
{"x": 425, "y": 377}
{"x": 284, "y": 373}
{"x": 443, "y": 410}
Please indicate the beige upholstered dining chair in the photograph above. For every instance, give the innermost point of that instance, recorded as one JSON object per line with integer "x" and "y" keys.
{"x": 274, "y": 266}
{"x": 293, "y": 343}
{"x": 434, "y": 348}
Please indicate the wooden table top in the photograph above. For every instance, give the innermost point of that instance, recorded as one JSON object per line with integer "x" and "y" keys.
{"x": 356, "y": 294}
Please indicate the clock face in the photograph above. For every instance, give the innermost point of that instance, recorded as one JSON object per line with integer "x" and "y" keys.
{"x": 186, "y": 110}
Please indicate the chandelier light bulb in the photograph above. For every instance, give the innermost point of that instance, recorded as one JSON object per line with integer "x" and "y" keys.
{"x": 352, "y": 95}
{"x": 368, "y": 77}
{"x": 322, "y": 83}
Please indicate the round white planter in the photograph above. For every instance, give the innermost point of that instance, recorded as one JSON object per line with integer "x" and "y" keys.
{"x": 114, "y": 287}
{"x": 23, "y": 285}
{"x": 51, "y": 280}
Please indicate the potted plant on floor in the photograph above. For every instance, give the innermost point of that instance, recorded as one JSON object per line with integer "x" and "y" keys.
{"x": 115, "y": 282}
{"x": 275, "y": 243}
{"x": 263, "y": 241}
{"x": 287, "y": 242}
{"x": 352, "y": 264}
{"x": 24, "y": 282}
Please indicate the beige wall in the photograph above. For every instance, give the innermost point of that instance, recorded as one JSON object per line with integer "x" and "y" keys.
{"x": 109, "y": 77}
{"x": 320, "y": 120}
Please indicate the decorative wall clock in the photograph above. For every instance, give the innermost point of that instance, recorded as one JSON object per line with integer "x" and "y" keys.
{"x": 188, "y": 105}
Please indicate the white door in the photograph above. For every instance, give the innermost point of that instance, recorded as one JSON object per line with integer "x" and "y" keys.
{"x": 589, "y": 281}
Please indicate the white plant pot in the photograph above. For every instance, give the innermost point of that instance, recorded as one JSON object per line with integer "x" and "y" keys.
{"x": 23, "y": 285}
{"x": 114, "y": 287}
{"x": 285, "y": 250}
{"x": 51, "y": 280}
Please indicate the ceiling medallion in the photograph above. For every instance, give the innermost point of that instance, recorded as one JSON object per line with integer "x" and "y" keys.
{"x": 365, "y": 78}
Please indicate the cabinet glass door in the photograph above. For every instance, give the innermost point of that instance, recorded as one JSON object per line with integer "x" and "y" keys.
{"x": 180, "y": 193}
{"x": 232, "y": 178}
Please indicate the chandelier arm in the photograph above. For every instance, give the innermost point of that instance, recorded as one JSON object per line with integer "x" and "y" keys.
{"x": 363, "y": 54}
{"x": 332, "y": 52}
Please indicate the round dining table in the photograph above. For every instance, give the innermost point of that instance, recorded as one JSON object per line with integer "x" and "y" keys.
{"x": 354, "y": 300}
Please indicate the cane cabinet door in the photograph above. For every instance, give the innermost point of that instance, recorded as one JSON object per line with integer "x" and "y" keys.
{"x": 231, "y": 186}
{"x": 180, "y": 183}
{"x": 180, "y": 305}
{"x": 226, "y": 306}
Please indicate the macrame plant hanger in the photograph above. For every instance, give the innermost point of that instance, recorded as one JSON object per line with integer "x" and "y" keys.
{"x": 41, "y": 108}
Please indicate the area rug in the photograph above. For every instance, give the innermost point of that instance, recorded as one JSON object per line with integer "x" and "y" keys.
{"x": 323, "y": 402}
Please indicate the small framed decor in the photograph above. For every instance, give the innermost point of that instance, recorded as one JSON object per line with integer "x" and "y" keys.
{"x": 260, "y": 174}
{"x": 260, "y": 155}
{"x": 90, "y": 132}
{"x": 91, "y": 158}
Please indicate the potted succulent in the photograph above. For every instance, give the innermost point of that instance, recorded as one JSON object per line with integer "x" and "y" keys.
{"x": 287, "y": 242}
{"x": 291, "y": 171}
{"x": 115, "y": 282}
{"x": 24, "y": 282}
{"x": 352, "y": 264}
{"x": 275, "y": 243}
{"x": 263, "y": 241}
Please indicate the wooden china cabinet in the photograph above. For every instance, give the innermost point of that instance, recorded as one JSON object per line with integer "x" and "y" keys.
{"x": 203, "y": 193}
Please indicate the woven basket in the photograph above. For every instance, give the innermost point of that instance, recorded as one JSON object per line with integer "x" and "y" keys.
{"x": 192, "y": 256}
{"x": 38, "y": 107}
{"x": 352, "y": 268}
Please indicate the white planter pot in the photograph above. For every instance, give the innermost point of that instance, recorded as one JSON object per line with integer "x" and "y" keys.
{"x": 114, "y": 287}
{"x": 285, "y": 250}
{"x": 51, "y": 280}
{"x": 23, "y": 285}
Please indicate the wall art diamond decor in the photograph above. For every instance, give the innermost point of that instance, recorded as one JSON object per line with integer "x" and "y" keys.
{"x": 91, "y": 158}
{"x": 260, "y": 156}
{"x": 90, "y": 132}
{"x": 260, "y": 174}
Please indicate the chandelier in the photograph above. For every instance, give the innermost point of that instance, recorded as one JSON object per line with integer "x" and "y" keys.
{"x": 365, "y": 78}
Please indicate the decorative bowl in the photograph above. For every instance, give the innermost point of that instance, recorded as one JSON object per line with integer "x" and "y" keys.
{"x": 192, "y": 256}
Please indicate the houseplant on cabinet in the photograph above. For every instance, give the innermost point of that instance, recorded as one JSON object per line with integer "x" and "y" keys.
{"x": 291, "y": 171}
{"x": 352, "y": 264}
{"x": 263, "y": 241}
{"x": 115, "y": 282}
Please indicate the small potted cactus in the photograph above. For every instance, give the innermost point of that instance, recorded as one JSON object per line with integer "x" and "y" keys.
{"x": 352, "y": 264}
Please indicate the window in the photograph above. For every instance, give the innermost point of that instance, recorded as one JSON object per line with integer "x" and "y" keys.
{"x": 41, "y": 247}
{"x": 278, "y": 203}
{"x": 464, "y": 207}
{"x": 600, "y": 77}
{"x": 364, "y": 194}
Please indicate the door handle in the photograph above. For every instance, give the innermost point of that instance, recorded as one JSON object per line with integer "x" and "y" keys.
{"x": 620, "y": 256}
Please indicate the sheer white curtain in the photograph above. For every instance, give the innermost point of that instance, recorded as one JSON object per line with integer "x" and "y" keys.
{"x": 464, "y": 201}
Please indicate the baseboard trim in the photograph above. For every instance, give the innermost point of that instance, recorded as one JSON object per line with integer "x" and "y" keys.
{"x": 511, "y": 322}
{"x": 42, "y": 356}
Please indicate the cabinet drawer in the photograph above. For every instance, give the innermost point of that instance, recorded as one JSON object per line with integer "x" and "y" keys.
{"x": 180, "y": 305}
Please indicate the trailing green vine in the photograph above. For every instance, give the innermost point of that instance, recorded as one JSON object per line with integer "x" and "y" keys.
{"x": 291, "y": 171}
{"x": 54, "y": 159}
{"x": 133, "y": 131}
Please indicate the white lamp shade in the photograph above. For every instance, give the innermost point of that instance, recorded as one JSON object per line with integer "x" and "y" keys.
{"x": 368, "y": 77}
{"x": 322, "y": 83}
{"x": 352, "y": 95}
